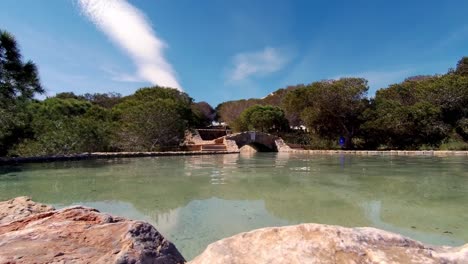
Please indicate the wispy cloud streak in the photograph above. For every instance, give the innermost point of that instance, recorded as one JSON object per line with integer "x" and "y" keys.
{"x": 128, "y": 28}
{"x": 262, "y": 62}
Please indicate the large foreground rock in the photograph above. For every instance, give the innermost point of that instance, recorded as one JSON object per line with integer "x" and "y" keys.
{"x": 34, "y": 233}
{"x": 80, "y": 235}
{"x": 313, "y": 243}
{"x": 20, "y": 207}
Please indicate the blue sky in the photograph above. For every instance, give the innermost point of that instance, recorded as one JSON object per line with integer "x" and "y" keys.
{"x": 225, "y": 50}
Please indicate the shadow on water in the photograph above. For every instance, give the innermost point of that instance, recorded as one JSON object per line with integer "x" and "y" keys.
{"x": 10, "y": 170}
{"x": 92, "y": 163}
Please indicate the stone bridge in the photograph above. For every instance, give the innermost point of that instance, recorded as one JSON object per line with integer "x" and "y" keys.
{"x": 259, "y": 140}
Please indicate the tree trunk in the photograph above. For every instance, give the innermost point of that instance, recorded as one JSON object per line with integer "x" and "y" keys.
{"x": 348, "y": 142}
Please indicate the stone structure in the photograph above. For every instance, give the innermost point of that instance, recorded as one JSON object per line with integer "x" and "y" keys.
{"x": 212, "y": 133}
{"x": 231, "y": 145}
{"x": 248, "y": 149}
{"x": 261, "y": 141}
{"x": 78, "y": 235}
{"x": 314, "y": 243}
{"x": 206, "y": 140}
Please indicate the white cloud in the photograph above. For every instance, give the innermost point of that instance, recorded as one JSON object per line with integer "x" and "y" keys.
{"x": 128, "y": 28}
{"x": 121, "y": 76}
{"x": 257, "y": 63}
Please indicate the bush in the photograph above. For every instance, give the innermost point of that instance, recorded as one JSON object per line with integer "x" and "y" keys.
{"x": 317, "y": 142}
{"x": 454, "y": 144}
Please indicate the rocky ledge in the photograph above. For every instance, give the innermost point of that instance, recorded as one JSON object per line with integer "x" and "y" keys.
{"x": 40, "y": 234}
{"x": 20, "y": 207}
{"x": 35, "y": 233}
{"x": 314, "y": 243}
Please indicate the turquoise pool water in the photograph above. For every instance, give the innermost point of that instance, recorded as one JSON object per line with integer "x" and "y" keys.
{"x": 196, "y": 200}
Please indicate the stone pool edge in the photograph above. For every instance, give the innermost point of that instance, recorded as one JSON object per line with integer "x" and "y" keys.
{"x": 111, "y": 155}
{"x": 106, "y": 155}
{"x": 440, "y": 153}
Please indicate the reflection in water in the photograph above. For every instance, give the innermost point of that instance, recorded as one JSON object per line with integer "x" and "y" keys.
{"x": 195, "y": 200}
{"x": 212, "y": 219}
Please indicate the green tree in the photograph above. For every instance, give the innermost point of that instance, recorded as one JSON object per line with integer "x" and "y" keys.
{"x": 66, "y": 126}
{"x": 294, "y": 103}
{"x": 265, "y": 118}
{"x": 204, "y": 114}
{"x": 153, "y": 119}
{"x": 230, "y": 111}
{"x": 19, "y": 81}
{"x": 106, "y": 100}
{"x": 419, "y": 112}
{"x": 331, "y": 108}
{"x": 397, "y": 126}
{"x": 462, "y": 67}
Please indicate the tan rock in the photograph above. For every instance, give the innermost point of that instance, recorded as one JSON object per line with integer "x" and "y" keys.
{"x": 20, "y": 207}
{"x": 314, "y": 243}
{"x": 248, "y": 149}
{"x": 83, "y": 235}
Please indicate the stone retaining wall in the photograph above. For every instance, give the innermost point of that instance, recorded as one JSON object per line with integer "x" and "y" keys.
{"x": 108, "y": 155}
{"x": 231, "y": 150}
{"x": 383, "y": 152}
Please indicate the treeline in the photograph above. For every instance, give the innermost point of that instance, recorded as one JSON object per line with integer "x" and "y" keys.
{"x": 152, "y": 119}
{"x": 422, "y": 112}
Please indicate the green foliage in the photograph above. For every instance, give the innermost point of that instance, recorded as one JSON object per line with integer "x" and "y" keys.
{"x": 330, "y": 109}
{"x": 19, "y": 81}
{"x": 422, "y": 112}
{"x": 64, "y": 126}
{"x": 462, "y": 67}
{"x": 462, "y": 128}
{"x": 265, "y": 118}
{"x": 153, "y": 118}
{"x": 69, "y": 95}
{"x": 230, "y": 111}
{"x": 294, "y": 103}
{"x": 150, "y": 120}
{"x": 317, "y": 142}
{"x": 296, "y": 137}
{"x": 106, "y": 100}
{"x": 454, "y": 143}
{"x": 203, "y": 113}
{"x": 418, "y": 112}
{"x": 14, "y": 125}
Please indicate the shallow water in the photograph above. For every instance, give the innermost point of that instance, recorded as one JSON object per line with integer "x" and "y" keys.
{"x": 195, "y": 200}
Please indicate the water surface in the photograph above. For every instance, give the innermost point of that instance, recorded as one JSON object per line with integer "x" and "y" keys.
{"x": 195, "y": 200}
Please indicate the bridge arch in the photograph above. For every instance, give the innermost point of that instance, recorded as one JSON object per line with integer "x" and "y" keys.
{"x": 262, "y": 141}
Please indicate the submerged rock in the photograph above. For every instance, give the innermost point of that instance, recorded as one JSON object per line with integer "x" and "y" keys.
{"x": 314, "y": 243}
{"x": 80, "y": 235}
